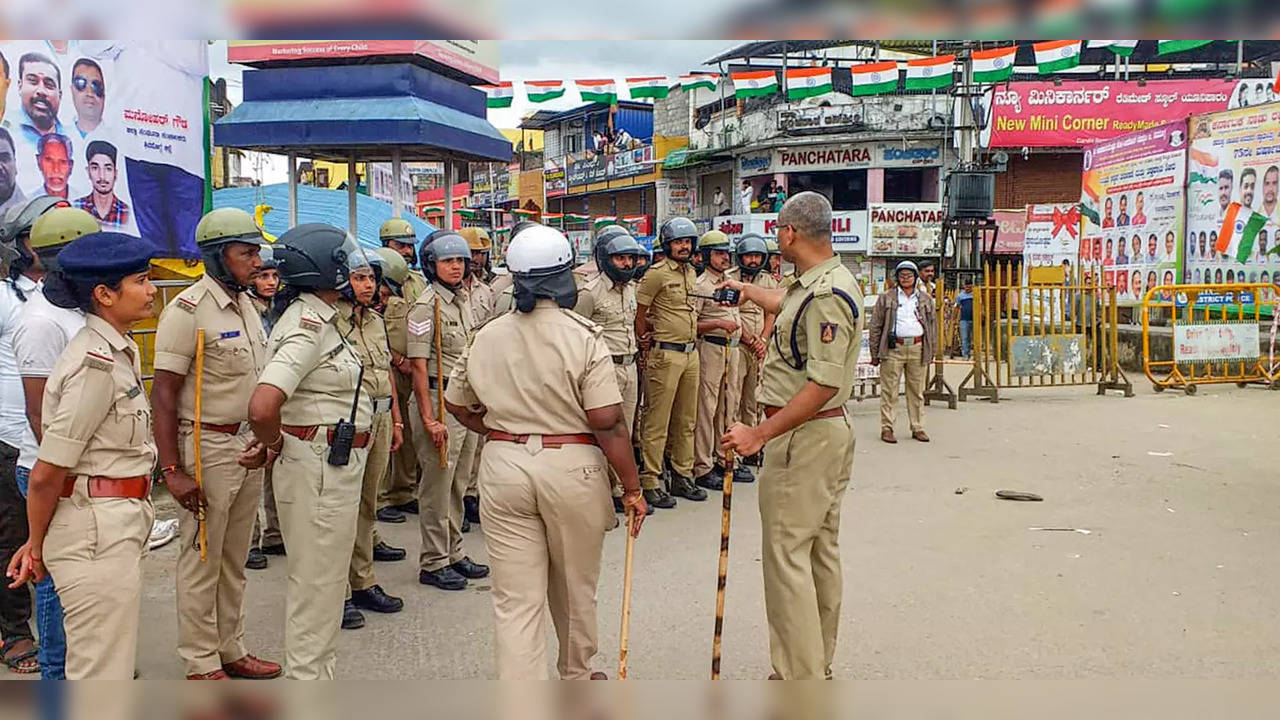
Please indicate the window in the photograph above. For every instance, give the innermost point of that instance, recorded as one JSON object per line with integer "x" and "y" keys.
{"x": 572, "y": 143}
{"x": 904, "y": 185}
{"x": 846, "y": 188}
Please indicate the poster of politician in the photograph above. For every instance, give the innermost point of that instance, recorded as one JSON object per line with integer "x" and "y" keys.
{"x": 115, "y": 127}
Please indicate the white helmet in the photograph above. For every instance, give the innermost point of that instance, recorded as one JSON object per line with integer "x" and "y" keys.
{"x": 539, "y": 250}
{"x": 907, "y": 265}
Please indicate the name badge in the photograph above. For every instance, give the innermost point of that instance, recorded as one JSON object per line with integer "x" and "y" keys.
{"x": 229, "y": 334}
{"x": 134, "y": 392}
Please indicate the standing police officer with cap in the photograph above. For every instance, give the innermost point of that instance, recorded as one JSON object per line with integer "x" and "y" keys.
{"x": 718, "y": 335}
{"x": 210, "y": 590}
{"x": 89, "y": 506}
{"x": 266, "y": 526}
{"x": 310, "y": 414}
{"x": 445, "y": 256}
{"x": 397, "y": 234}
{"x": 671, "y": 368}
{"x": 808, "y": 377}
{"x": 541, "y": 384}
{"x": 400, "y": 488}
{"x": 752, "y": 254}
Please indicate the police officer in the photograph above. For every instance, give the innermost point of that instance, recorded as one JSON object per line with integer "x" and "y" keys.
{"x": 311, "y": 382}
{"x": 89, "y": 506}
{"x": 643, "y": 261}
{"x": 540, "y": 382}
{"x": 718, "y": 337}
{"x": 775, "y": 260}
{"x": 751, "y": 255}
{"x": 400, "y": 488}
{"x": 211, "y": 590}
{"x": 397, "y": 234}
{"x": 364, "y": 328}
{"x": 808, "y": 376}
{"x": 265, "y": 282}
{"x": 445, "y": 257}
{"x": 666, "y": 327}
{"x": 266, "y": 526}
{"x": 482, "y": 308}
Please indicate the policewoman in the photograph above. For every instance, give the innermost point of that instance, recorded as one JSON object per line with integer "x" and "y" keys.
{"x": 89, "y": 506}
{"x": 313, "y": 421}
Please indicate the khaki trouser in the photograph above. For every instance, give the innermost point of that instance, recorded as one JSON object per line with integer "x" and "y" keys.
{"x": 318, "y": 508}
{"x": 747, "y": 378}
{"x": 802, "y": 485}
{"x": 629, "y": 386}
{"x": 439, "y": 493}
{"x": 360, "y": 574}
{"x": 211, "y": 593}
{"x": 402, "y": 481}
{"x": 469, "y": 463}
{"x": 93, "y": 550}
{"x": 671, "y": 411}
{"x": 545, "y": 513}
{"x": 712, "y": 403}
{"x": 903, "y": 359}
{"x": 266, "y": 522}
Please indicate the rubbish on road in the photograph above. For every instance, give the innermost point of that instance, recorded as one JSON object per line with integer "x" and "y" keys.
{"x": 1018, "y": 495}
{"x": 1170, "y": 509}
{"x": 1162, "y": 425}
{"x": 1189, "y": 465}
{"x": 1177, "y": 594}
{"x": 162, "y": 533}
{"x": 1153, "y": 453}
{"x": 1082, "y": 531}
{"x": 961, "y": 490}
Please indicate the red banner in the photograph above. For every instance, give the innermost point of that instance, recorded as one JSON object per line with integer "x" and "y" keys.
{"x": 1013, "y": 229}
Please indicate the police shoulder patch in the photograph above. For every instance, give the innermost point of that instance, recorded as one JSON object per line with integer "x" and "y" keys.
{"x": 828, "y": 332}
{"x": 186, "y": 304}
{"x": 99, "y": 360}
{"x": 312, "y": 324}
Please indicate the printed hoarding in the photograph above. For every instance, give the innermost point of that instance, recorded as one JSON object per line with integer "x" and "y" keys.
{"x": 906, "y": 229}
{"x": 842, "y": 156}
{"x": 848, "y": 228}
{"x": 476, "y": 58}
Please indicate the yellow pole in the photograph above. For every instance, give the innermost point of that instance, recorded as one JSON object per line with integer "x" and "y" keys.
{"x": 195, "y": 429}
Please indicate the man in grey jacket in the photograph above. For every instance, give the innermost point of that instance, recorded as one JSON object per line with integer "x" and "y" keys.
{"x": 903, "y": 335}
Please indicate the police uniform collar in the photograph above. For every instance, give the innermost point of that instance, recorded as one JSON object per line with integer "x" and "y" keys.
{"x": 444, "y": 292}
{"x": 545, "y": 304}
{"x": 320, "y": 307}
{"x": 812, "y": 274}
{"x": 108, "y": 333}
{"x": 219, "y": 293}
{"x": 674, "y": 264}
{"x": 26, "y": 284}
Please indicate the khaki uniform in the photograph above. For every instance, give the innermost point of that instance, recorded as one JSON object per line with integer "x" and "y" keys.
{"x": 714, "y": 350}
{"x": 414, "y": 285}
{"x": 806, "y": 471}
{"x": 211, "y": 593}
{"x": 671, "y": 375}
{"x": 440, "y": 491}
{"x": 370, "y": 343}
{"x": 318, "y": 371}
{"x": 482, "y": 301}
{"x": 266, "y": 524}
{"x": 613, "y": 308}
{"x": 545, "y": 510}
{"x": 96, "y": 422}
{"x": 401, "y": 484}
{"x": 747, "y": 378}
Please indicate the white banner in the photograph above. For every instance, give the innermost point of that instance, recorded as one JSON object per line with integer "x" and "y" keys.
{"x": 1216, "y": 341}
{"x": 906, "y": 229}
{"x": 848, "y": 228}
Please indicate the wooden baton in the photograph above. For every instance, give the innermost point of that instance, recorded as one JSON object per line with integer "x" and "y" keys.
{"x": 444, "y": 446}
{"x": 725, "y": 513}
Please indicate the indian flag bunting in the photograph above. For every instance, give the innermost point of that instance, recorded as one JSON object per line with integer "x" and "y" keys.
{"x": 556, "y": 218}
{"x": 754, "y": 84}
{"x": 520, "y": 212}
{"x": 601, "y": 91}
{"x": 575, "y": 217}
{"x": 603, "y": 220}
{"x": 1123, "y": 48}
{"x": 540, "y": 91}
{"x": 1056, "y": 55}
{"x": 632, "y": 222}
{"x": 706, "y": 81}
{"x": 498, "y": 96}
{"x": 648, "y": 87}
{"x": 1275, "y": 87}
{"x": 469, "y": 213}
{"x": 1166, "y": 47}
{"x": 930, "y": 73}
{"x": 1239, "y": 230}
{"x": 808, "y": 82}
{"x": 874, "y": 78}
{"x": 993, "y": 66}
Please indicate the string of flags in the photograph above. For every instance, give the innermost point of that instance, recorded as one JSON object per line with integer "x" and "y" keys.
{"x": 631, "y": 222}
{"x": 994, "y": 65}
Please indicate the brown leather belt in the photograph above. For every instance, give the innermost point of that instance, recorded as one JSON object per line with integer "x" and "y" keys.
{"x": 771, "y": 410}
{"x": 232, "y": 429}
{"x": 136, "y": 487}
{"x": 307, "y": 433}
{"x": 908, "y": 341}
{"x": 548, "y": 441}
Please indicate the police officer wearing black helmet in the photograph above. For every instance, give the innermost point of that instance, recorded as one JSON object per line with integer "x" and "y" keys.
{"x": 751, "y": 257}
{"x": 302, "y": 411}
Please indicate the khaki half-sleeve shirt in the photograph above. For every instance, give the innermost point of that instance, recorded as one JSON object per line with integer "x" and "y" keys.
{"x": 665, "y": 291}
{"x": 456, "y": 324}
{"x": 613, "y": 308}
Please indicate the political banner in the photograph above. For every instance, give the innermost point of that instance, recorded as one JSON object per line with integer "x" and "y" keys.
{"x": 114, "y": 127}
{"x": 1134, "y": 204}
{"x": 1051, "y": 240}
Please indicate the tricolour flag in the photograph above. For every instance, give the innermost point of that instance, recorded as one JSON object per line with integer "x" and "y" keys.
{"x": 601, "y": 91}
{"x": 930, "y": 73}
{"x": 874, "y": 78}
{"x": 603, "y": 220}
{"x": 556, "y": 218}
{"x": 1123, "y": 48}
{"x": 575, "y": 217}
{"x": 522, "y": 213}
{"x": 1165, "y": 47}
{"x": 648, "y": 87}
{"x": 1239, "y": 230}
{"x": 993, "y": 66}
{"x": 756, "y": 83}
{"x": 543, "y": 90}
{"x": 706, "y": 81}
{"x": 1091, "y": 200}
{"x": 1055, "y": 55}
{"x": 1275, "y": 88}
{"x": 808, "y": 82}
{"x": 498, "y": 96}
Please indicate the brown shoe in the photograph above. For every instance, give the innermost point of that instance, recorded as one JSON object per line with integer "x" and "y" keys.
{"x": 775, "y": 676}
{"x": 886, "y": 435}
{"x": 213, "y": 675}
{"x": 919, "y": 435}
{"x": 251, "y": 668}
{"x": 599, "y": 676}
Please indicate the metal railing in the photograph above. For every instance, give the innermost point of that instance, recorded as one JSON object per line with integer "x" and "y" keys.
{"x": 144, "y": 334}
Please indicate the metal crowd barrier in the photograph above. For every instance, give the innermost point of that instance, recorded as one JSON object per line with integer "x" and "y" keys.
{"x": 144, "y": 334}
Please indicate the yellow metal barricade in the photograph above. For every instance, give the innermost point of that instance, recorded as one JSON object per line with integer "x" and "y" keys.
{"x": 1053, "y": 330}
{"x": 144, "y": 333}
{"x": 1219, "y": 334}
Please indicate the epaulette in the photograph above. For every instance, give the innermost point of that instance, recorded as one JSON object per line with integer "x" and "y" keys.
{"x": 99, "y": 360}
{"x": 822, "y": 286}
{"x": 584, "y": 322}
{"x": 308, "y": 320}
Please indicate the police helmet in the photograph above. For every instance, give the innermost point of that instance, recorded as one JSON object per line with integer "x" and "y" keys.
{"x": 217, "y": 229}
{"x": 477, "y": 238}
{"x": 616, "y": 243}
{"x": 751, "y": 244}
{"x": 643, "y": 261}
{"x": 713, "y": 240}
{"x": 675, "y": 229}
{"x": 59, "y": 226}
{"x": 773, "y": 247}
{"x": 316, "y": 256}
{"x": 268, "y": 256}
{"x": 395, "y": 271}
{"x": 539, "y": 251}
{"x": 397, "y": 229}
{"x": 906, "y": 265}
{"x": 18, "y": 219}
{"x": 444, "y": 245}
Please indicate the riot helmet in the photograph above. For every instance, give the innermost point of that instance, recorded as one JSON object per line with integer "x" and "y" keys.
{"x": 316, "y": 256}
{"x": 444, "y": 245}
{"x": 219, "y": 228}
{"x": 676, "y": 228}
{"x": 616, "y": 243}
{"x": 541, "y": 263}
{"x": 751, "y": 245}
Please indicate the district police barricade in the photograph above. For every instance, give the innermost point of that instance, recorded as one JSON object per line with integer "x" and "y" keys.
{"x": 1221, "y": 334}
{"x": 144, "y": 334}
{"x": 1062, "y": 332}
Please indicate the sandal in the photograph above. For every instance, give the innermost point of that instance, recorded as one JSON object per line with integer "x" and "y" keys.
{"x": 20, "y": 662}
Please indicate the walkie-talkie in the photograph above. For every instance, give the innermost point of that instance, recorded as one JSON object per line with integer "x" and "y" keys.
{"x": 344, "y": 432}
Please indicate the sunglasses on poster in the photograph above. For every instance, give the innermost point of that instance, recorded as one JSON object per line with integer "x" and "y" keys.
{"x": 80, "y": 82}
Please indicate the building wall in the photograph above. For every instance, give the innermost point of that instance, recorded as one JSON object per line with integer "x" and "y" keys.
{"x": 671, "y": 115}
{"x": 1041, "y": 178}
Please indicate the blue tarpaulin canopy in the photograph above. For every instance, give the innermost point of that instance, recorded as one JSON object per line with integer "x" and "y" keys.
{"x": 316, "y": 205}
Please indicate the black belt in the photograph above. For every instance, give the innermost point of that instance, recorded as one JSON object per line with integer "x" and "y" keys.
{"x": 721, "y": 341}
{"x": 624, "y": 359}
{"x": 677, "y": 347}
{"x": 431, "y": 383}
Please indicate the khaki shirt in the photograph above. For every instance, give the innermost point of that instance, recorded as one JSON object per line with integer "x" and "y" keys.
{"x": 827, "y": 336}
{"x": 96, "y": 419}
{"x": 457, "y": 323}
{"x": 235, "y": 350}
{"x": 369, "y": 339}
{"x": 482, "y": 301}
{"x": 414, "y": 285}
{"x": 710, "y": 309}
{"x": 396, "y": 316}
{"x": 536, "y": 373}
{"x": 752, "y": 315}
{"x": 665, "y": 291}
{"x": 317, "y": 370}
{"x": 613, "y": 308}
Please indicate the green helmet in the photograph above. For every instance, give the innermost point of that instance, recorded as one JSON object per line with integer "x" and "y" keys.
{"x": 713, "y": 240}
{"x": 772, "y": 245}
{"x": 396, "y": 229}
{"x": 394, "y": 269}
{"x": 59, "y": 226}
{"x": 226, "y": 225}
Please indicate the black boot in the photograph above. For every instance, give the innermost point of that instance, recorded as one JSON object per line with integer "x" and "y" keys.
{"x": 471, "y": 508}
{"x": 373, "y": 598}
{"x": 390, "y": 515}
{"x": 446, "y": 578}
{"x": 352, "y": 619}
{"x": 743, "y": 475}
{"x": 383, "y": 552}
{"x": 256, "y": 560}
{"x": 658, "y": 498}
{"x": 710, "y": 481}
{"x": 472, "y": 570}
{"x": 683, "y": 487}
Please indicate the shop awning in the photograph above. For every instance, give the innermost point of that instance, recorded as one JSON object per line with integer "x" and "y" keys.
{"x": 316, "y": 205}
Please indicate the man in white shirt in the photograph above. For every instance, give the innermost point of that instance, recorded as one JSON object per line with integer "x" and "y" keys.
{"x": 902, "y": 336}
{"x": 744, "y": 197}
